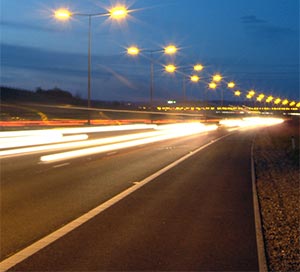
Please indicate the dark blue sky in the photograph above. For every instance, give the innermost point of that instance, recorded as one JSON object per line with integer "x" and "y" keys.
{"x": 255, "y": 43}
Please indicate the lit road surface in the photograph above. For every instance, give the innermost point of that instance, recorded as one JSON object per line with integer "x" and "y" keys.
{"x": 198, "y": 215}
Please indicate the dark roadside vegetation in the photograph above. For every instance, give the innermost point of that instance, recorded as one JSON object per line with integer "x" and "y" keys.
{"x": 277, "y": 167}
{"x": 57, "y": 104}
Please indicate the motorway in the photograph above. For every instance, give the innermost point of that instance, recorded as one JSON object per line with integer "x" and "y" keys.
{"x": 196, "y": 216}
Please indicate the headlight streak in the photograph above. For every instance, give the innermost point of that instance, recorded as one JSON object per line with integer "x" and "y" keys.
{"x": 35, "y": 140}
{"x": 189, "y": 129}
{"x": 75, "y": 130}
{"x": 251, "y": 122}
{"x": 102, "y": 141}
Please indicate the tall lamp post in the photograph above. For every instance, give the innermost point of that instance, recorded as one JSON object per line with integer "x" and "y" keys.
{"x": 194, "y": 78}
{"x": 116, "y": 13}
{"x": 168, "y": 50}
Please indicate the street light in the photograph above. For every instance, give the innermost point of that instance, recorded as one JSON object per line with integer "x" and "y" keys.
{"x": 168, "y": 50}
{"x": 260, "y": 98}
{"x": 118, "y": 12}
{"x": 212, "y": 85}
{"x": 170, "y": 68}
{"x": 252, "y": 92}
{"x": 198, "y": 67}
{"x": 62, "y": 14}
{"x": 237, "y": 93}
{"x": 231, "y": 85}
{"x": 195, "y": 78}
{"x": 217, "y": 78}
{"x": 277, "y": 101}
{"x": 115, "y": 13}
{"x": 269, "y": 99}
{"x": 133, "y": 51}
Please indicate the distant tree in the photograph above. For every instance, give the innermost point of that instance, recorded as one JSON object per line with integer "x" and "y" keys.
{"x": 57, "y": 92}
{"x": 39, "y": 90}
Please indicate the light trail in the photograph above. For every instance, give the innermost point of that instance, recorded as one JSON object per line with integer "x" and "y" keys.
{"x": 251, "y": 122}
{"x": 108, "y": 140}
{"x": 106, "y": 128}
{"x": 28, "y": 141}
{"x": 35, "y": 140}
{"x": 189, "y": 129}
{"x": 42, "y": 132}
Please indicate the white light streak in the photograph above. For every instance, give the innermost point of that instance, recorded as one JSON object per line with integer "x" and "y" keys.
{"x": 39, "y": 140}
{"x": 108, "y": 140}
{"x": 174, "y": 132}
{"x": 251, "y": 122}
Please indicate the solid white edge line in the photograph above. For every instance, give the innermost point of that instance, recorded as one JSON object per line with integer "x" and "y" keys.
{"x": 262, "y": 261}
{"x": 52, "y": 237}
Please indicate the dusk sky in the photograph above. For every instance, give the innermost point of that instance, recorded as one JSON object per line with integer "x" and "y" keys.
{"x": 254, "y": 43}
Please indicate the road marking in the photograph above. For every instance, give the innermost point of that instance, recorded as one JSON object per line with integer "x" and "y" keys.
{"x": 61, "y": 165}
{"x": 262, "y": 262}
{"x": 52, "y": 237}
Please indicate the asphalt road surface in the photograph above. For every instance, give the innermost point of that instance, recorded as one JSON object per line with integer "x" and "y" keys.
{"x": 196, "y": 216}
{"x": 36, "y": 198}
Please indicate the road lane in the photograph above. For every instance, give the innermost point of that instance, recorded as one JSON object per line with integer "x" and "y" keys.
{"x": 37, "y": 199}
{"x": 197, "y": 216}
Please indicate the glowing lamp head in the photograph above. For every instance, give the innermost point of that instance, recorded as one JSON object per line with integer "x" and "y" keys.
{"x": 269, "y": 99}
{"x": 285, "y": 102}
{"x": 118, "y": 13}
{"x": 249, "y": 96}
{"x": 237, "y": 93}
{"x": 170, "y": 68}
{"x": 277, "y": 101}
{"x": 231, "y": 85}
{"x": 217, "y": 78}
{"x": 298, "y": 105}
{"x": 212, "y": 85}
{"x": 195, "y": 78}
{"x": 62, "y": 14}
{"x": 133, "y": 51}
{"x": 170, "y": 50}
{"x": 251, "y": 92}
{"x": 198, "y": 67}
{"x": 293, "y": 103}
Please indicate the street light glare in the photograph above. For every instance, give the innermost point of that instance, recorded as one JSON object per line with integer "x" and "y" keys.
{"x": 195, "y": 78}
{"x": 118, "y": 13}
{"x": 231, "y": 84}
{"x": 62, "y": 14}
{"x": 212, "y": 85}
{"x": 170, "y": 68}
{"x": 237, "y": 93}
{"x": 133, "y": 50}
{"x": 293, "y": 103}
{"x": 285, "y": 102}
{"x": 251, "y": 92}
{"x": 170, "y": 50}
{"x": 217, "y": 78}
{"x": 277, "y": 101}
{"x": 198, "y": 67}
